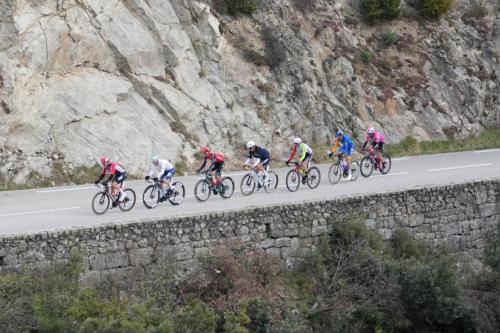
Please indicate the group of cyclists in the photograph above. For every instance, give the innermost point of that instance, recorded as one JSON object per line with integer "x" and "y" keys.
{"x": 258, "y": 158}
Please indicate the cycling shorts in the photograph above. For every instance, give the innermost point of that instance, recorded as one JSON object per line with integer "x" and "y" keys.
{"x": 120, "y": 177}
{"x": 379, "y": 145}
{"x": 168, "y": 174}
{"x": 308, "y": 157}
{"x": 218, "y": 167}
{"x": 265, "y": 162}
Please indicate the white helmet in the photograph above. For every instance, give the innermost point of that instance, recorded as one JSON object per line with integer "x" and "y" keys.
{"x": 155, "y": 159}
{"x": 250, "y": 144}
{"x": 370, "y": 130}
{"x": 297, "y": 141}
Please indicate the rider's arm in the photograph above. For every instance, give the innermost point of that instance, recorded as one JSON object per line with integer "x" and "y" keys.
{"x": 256, "y": 162}
{"x": 364, "y": 144}
{"x": 336, "y": 146}
{"x": 292, "y": 154}
{"x": 102, "y": 176}
{"x": 203, "y": 166}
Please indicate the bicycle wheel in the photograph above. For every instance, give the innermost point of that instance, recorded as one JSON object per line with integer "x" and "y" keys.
{"x": 334, "y": 173}
{"x": 292, "y": 180}
{"x": 100, "y": 203}
{"x": 354, "y": 170}
{"x": 366, "y": 167}
{"x": 151, "y": 196}
{"x": 313, "y": 177}
{"x": 202, "y": 190}
{"x": 272, "y": 182}
{"x": 176, "y": 196}
{"x": 387, "y": 164}
{"x": 127, "y": 205}
{"x": 247, "y": 185}
{"x": 227, "y": 187}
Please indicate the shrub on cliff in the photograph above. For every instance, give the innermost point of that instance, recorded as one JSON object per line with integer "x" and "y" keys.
{"x": 237, "y": 7}
{"x": 435, "y": 8}
{"x": 376, "y": 10}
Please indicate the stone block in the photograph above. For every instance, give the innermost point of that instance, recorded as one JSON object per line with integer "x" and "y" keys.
{"x": 488, "y": 210}
{"x": 141, "y": 256}
{"x": 267, "y": 243}
{"x": 243, "y": 230}
{"x": 116, "y": 260}
{"x": 97, "y": 262}
{"x": 286, "y": 252}
{"x": 283, "y": 242}
{"x": 321, "y": 230}
{"x": 273, "y": 251}
{"x": 183, "y": 252}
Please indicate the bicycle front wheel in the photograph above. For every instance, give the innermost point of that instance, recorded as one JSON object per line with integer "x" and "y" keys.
{"x": 313, "y": 177}
{"x": 354, "y": 170}
{"x": 227, "y": 187}
{"x": 272, "y": 182}
{"x": 386, "y": 166}
{"x": 176, "y": 196}
{"x": 100, "y": 203}
{"x": 334, "y": 173}
{"x": 247, "y": 185}
{"x": 129, "y": 201}
{"x": 202, "y": 190}
{"x": 366, "y": 167}
{"x": 292, "y": 180}
{"x": 151, "y": 196}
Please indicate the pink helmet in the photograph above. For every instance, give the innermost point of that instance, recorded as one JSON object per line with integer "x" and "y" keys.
{"x": 104, "y": 160}
{"x": 205, "y": 150}
{"x": 370, "y": 130}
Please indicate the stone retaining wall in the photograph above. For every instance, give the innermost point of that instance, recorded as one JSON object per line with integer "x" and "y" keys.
{"x": 458, "y": 215}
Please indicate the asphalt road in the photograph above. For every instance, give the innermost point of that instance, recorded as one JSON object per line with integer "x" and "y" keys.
{"x": 69, "y": 207}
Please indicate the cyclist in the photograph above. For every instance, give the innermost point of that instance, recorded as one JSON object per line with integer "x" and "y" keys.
{"x": 377, "y": 140}
{"x": 217, "y": 166}
{"x": 345, "y": 146}
{"x": 116, "y": 175}
{"x": 164, "y": 172}
{"x": 306, "y": 155}
{"x": 261, "y": 158}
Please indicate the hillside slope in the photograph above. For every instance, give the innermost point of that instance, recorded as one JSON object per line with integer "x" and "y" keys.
{"x": 82, "y": 78}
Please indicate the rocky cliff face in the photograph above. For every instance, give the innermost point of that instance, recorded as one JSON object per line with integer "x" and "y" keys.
{"x": 82, "y": 78}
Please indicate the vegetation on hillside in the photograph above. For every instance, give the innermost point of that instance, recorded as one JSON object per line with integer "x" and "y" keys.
{"x": 350, "y": 282}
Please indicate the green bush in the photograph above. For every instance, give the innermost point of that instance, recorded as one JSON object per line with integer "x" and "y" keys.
{"x": 237, "y": 7}
{"x": 405, "y": 247}
{"x": 195, "y": 317}
{"x": 389, "y": 38}
{"x": 376, "y": 10}
{"x": 366, "y": 56}
{"x": 435, "y": 8}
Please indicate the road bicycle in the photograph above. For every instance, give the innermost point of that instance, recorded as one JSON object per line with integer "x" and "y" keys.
{"x": 372, "y": 161}
{"x": 297, "y": 175}
{"x": 204, "y": 187}
{"x": 154, "y": 194}
{"x": 340, "y": 169}
{"x": 252, "y": 180}
{"x": 105, "y": 199}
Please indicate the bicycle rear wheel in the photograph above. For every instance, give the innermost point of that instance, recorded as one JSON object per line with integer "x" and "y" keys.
{"x": 202, "y": 190}
{"x": 334, "y": 173}
{"x": 129, "y": 201}
{"x": 366, "y": 167}
{"x": 176, "y": 196}
{"x": 151, "y": 196}
{"x": 354, "y": 170}
{"x": 272, "y": 182}
{"x": 100, "y": 203}
{"x": 247, "y": 185}
{"x": 292, "y": 180}
{"x": 313, "y": 177}
{"x": 387, "y": 164}
{"x": 227, "y": 187}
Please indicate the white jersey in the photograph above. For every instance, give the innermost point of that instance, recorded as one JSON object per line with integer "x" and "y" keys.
{"x": 160, "y": 168}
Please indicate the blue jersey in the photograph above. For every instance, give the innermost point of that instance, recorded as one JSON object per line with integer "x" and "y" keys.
{"x": 346, "y": 145}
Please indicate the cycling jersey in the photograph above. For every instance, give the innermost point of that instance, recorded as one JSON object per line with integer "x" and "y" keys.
{"x": 164, "y": 170}
{"x": 116, "y": 172}
{"x": 217, "y": 160}
{"x": 377, "y": 140}
{"x": 344, "y": 145}
{"x": 261, "y": 155}
{"x": 305, "y": 152}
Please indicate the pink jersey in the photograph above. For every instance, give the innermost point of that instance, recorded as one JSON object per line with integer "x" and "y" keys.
{"x": 376, "y": 138}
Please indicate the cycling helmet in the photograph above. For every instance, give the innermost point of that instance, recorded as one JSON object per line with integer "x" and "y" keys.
{"x": 250, "y": 144}
{"x": 297, "y": 141}
{"x": 339, "y": 133}
{"x": 155, "y": 159}
{"x": 370, "y": 130}
{"x": 104, "y": 160}
{"x": 205, "y": 150}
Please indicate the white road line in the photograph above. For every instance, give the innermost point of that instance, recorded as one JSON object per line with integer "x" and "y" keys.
{"x": 393, "y": 174}
{"x": 461, "y": 167}
{"x": 40, "y": 211}
{"x": 67, "y": 189}
{"x": 401, "y": 159}
{"x": 486, "y": 151}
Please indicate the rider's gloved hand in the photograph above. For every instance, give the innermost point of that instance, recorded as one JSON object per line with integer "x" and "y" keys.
{"x": 155, "y": 179}
{"x": 147, "y": 178}
{"x": 96, "y": 182}
{"x": 286, "y": 163}
{"x": 330, "y": 154}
